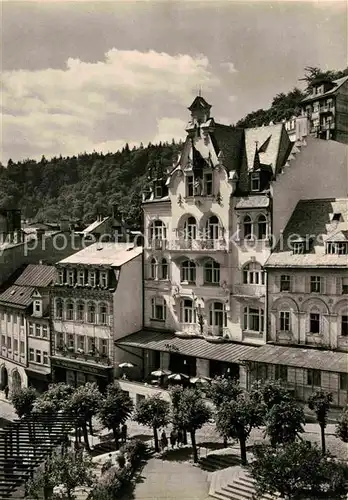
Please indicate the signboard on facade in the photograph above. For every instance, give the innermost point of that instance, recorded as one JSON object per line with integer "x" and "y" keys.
{"x": 85, "y": 368}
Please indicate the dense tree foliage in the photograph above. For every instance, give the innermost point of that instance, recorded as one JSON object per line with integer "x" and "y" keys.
{"x": 80, "y": 187}
{"x": 298, "y": 471}
{"x": 153, "y": 412}
{"x": 23, "y": 400}
{"x": 342, "y": 426}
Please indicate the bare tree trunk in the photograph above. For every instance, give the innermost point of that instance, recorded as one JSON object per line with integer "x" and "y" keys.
{"x": 85, "y": 436}
{"x": 155, "y": 437}
{"x": 116, "y": 437}
{"x": 90, "y": 426}
{"x": 225, "y": 442}
{"x": 194, "y": 446}
{"x": 323, "y": 444}
{"x": 243, "y": 455}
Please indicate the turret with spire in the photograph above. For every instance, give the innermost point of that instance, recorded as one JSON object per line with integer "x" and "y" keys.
{"x": 200, "y": 110}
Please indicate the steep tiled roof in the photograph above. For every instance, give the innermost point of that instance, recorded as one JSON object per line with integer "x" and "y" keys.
{"x": 269, "y": 137}
{"x": 92, "y": 227}
{"x": 312, "y": 218}
{"x": 17, "y": 295}
{"x": 338, "y": 83}
{"x": 36, "y": 276}
{"x": 229, "y": 142}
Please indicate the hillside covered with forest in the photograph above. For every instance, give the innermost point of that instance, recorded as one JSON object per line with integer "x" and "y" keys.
{"x": 79, "y": 187}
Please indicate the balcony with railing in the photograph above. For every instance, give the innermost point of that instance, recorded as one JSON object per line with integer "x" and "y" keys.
{"x": 207, "y": 331}
{"x": 198, "y": 245}
{"x": 92, "y": 356}
{"x": 245, "y": 291}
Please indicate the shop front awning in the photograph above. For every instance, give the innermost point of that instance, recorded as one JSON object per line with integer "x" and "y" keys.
{"x": 230, "y": 352}
{"x": 38, "y": 375}
{"x": 299, "y": 357}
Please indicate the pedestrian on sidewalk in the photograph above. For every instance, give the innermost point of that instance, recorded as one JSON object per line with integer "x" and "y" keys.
{"x": 173, "y": 438}
{"x": 180, "y": 437}
{"x": 124, "y": 430}
{"x": 164, "y": 441}
{"x": 6, "y": 391}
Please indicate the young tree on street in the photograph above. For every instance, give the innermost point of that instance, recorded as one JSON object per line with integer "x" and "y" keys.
{"x": 153, "y": 412}
{"x": 298, "y": 471}
{"x": 273, "y": 392}
{"x": 320, "y": 402}
{"x": 236, "y": 419}
{"x": 82, "y": 405}
{"x": 115, "y": 409}
{"x": 284, "y": 422}
{"x": 192, "y": 413}
{"x": 342, "y": 427}
{"x": 23, "y": 401}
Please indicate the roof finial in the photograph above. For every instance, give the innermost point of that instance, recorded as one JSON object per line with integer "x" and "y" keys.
{"x": 200, "y": 91}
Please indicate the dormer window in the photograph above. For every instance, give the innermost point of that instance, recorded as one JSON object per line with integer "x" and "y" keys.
{"x": 337, "y": 217}
{"x": 70, "y": 277}
{"x": 158, "y": 190}
{"x": 92, "y": 278}
{"x": 103, "y": 279}
{"x": 81, "y": 277}
{"x": 255, "y": 182}
{"x": 298, "y": 247}
{"x": 338, "y": 248}
{"x": 208, "y": 184}
{"x": 60, "y": 278}
{"x": 37, "y": 307}
{"x": 189, "y": 185}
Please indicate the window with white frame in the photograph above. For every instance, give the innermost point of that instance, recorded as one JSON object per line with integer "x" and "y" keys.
{"x": 158, "y": 230}
{"x": 247, "y": 227}
{"x": 164, "y": 275}
{"x": 31, "y": 329}
{"x": 190, "y": 185}
{"x": 91, "y": 310}
{"x": 212, "y": 272}
{"x": 60, "y": 277}
{"x": 190, "y": 229}
{"x": 217, "y": 317}
{"x": 9, "y": 343}
{"x": 285, "y": 283}
{"x": 91, "y": 344}
{"x": 103, "y": 279}
{"x": 208, "y": 184}
{"x": 92, "y": 278}
{"x": 15, "y": 346}
{"x": 262, "y": 227}
{"x": 103, "y": 314}
{"x": 80, "y": 311}
{"x": 158, "y": 309}
{"x": 103, "y": 347}
{"x": 255, "y": 181}
{"x": 37, "y": 306}
{"x": 59, "y": 340}
{"x": 254, "y": 319}
{"x": 45, "y": 331}
{"x": 45, "y": 357}
{"x": 81, "y": 342}
{"x": 21, "y": 347}
{"x": 344, "y": 286}
{"x": 314, "y": 322}
{"x": 37, "y": 330}
{"x": 71, "y": 340}
{"x": 212, "y": 229}
{"x": 344, "y": 325}
{"x": 253, "y": 274}
{"x": 153, "y": 268}
{"x": 188, "y": 272}
{"x": 284, "y": 321}
{"x": 158, "y": 190}
{"x": 31, "y": 354}
{"x": 187, "y": 312}
{"x": 69, "y": 310}
{"x": 338, "y": 248}
{"x": 59, "y": 308}
{"x": 316, "y": 284}
{"x": 70, "y": 277}
{"x": 298, "y": 247}
{"x": 3, "y": 340}
{"x": 81, "y": 277}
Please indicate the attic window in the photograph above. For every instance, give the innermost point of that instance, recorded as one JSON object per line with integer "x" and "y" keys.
{"x": 298, "y": 247}
{"x": 255, "y": 182}
{"x": 337, "y": 217}
{"x": 338, "y": 248}
{"x": 158, "y": 190}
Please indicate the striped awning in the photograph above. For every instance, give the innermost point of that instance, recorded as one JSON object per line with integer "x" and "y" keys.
{"x": 231, "y": 352}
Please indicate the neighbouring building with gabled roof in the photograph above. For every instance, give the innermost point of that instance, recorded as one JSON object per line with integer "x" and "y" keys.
{"x": 308, "y": 303}
{"x": 210, "y": 222}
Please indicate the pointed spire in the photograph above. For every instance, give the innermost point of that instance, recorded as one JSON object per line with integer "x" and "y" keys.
{"x": 257, "y": 163}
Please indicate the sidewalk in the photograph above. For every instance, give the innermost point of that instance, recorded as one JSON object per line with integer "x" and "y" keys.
{"x": 6, "y": 409}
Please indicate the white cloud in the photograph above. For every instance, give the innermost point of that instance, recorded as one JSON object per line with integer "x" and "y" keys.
{"x": 229, "y": 66}
{"x": 128, "y": 96}
{"x": 232, "y": 98}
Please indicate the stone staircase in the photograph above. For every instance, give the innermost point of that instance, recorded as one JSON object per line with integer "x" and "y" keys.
{"x": 217, "y": 461}
{"x": 234, "y": 483}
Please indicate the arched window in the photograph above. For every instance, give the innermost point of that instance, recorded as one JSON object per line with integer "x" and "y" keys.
{"x": 253, "y": 274}
{"x": 158, "y": 230}
{"x": 212, "y": 229}
{"x": 59, "y": 308}
{"x": 91, "y": 312}
{"x": 69, "y": 310}
{"x": 164, "y": 269}
{"x": 247, "y": 226}
{"x": 188, "y": 272}
{"x": 190, "y": 229}
{"x": 80, "y": 311}
{"x": 254, "y": 319}
{"x": 262, "y": 227}
{"x": 187, "y": 311}
{"x": 103, "y": 314}
{"x": 212, "y": 272}
{"x": 153, "y": 269}
{"x": 217, "y": 317}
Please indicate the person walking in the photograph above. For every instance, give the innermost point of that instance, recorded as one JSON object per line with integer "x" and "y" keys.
{"x": 173, "y": 438}
{"x": 164, "y": 441}
{"x": 124, "y": 430}
{"x": 6, "y": 391}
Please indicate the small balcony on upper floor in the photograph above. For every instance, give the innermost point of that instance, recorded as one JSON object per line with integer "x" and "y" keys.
{"x": 242, "y": 292}
{"x": 198, "y": 245}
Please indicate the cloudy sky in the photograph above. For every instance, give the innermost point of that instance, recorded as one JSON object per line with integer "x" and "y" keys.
{"x": 79, "y": 76}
